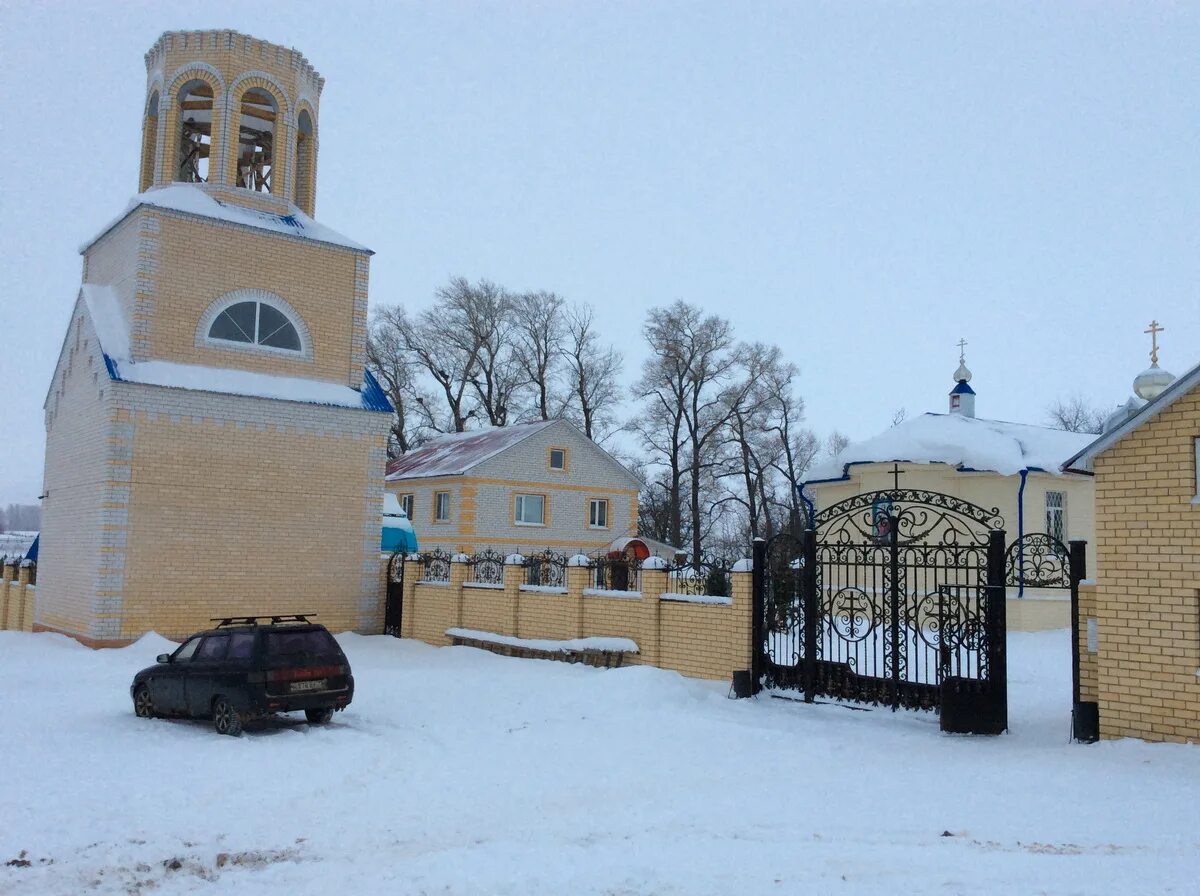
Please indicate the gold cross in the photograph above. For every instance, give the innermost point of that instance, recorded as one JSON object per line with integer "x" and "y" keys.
{"x": 961, "y": 345}
{"x": 1154, "y": 330}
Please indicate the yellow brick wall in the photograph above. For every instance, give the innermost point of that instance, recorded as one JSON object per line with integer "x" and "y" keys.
{"x": 1089, "y": 672}
{"x": 1148, "y": 579}
{"x": 701, "y": 640}
{"x": 230, "y": 518}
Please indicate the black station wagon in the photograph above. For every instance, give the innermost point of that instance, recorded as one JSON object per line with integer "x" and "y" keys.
{"x": 246, "y": 668}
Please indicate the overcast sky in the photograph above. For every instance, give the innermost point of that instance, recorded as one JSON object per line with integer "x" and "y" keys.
{"x": 862, "y": 183}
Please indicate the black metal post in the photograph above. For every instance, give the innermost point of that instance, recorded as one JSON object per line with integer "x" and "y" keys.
{"x": 757, "y": 624}
{"x": 998, "y": 627}
{"x": 808, "y": 584}
{"x": 894, "y": 572}
{"x": 1085, "y": 717}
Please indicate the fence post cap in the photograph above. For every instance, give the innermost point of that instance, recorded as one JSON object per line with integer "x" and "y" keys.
{"x": 413, "y": 558}
{"x": 654, "y": 563}
{"x": 579, "y": 560}
{"x": 745, "y": 565}
{"x": 460, "y": 558}
{"x": 514, "y": 560}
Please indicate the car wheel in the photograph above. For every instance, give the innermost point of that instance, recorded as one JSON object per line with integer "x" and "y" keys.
{"x": 225, "y": 717}
{"x": 318, "y": 716}
{"x": 143, "y": 705}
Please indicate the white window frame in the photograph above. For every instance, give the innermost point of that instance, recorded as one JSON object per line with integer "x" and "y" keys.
{"x": 519, "y": 508}
{"x": 437, "y": 507}
{"x": 406, "y": 504}
{"x": 550, "y": 459}
{"x": 593, "y": 504}
{"x": 1061, "y": 512}
{"x": 262, "y": 297}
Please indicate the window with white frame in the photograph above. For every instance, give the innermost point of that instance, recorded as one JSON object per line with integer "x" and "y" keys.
{"x": 406, "y": 504}
{"x": 598, "y": 513}
{"x": 441, "y": 507}
{"x": 530, "y": 510}
{"x": 1056, "y": 515}
{"x": 558, "y": 459}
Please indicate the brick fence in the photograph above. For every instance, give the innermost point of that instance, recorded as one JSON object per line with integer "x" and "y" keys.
{"x": 17, "y": 593}
{"x": 698, "y": 636}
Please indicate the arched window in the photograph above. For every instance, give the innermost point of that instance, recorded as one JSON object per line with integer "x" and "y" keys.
{"x": 256, "y": 323}
{"x": 150, "y": 144}
{"x": 195, "y": 131}
{"x": 256, "y": 140}
{"x": 305, "y": 160}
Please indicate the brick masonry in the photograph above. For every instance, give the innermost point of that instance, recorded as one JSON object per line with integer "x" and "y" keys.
{"x": 1147, "y": 593}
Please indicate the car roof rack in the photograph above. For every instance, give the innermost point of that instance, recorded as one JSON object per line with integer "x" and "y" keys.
{"x": 273, "y": 619}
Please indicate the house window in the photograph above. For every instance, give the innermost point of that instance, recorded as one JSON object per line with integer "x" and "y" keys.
{"x": 530, "y": 510}
{"x": 255, "y": 323}
{"x": 406, "y": 504}
{"x": 1056, "y": 515}
{"x": 598, "y": 513}
{"x": 441, "y": 507}
{"x": 558, "y": 459}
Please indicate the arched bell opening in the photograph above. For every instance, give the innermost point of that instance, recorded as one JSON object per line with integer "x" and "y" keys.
{"x": 306, "y": 159}
{"x": 195, "y": 132}
{"x": 256, "y": 130}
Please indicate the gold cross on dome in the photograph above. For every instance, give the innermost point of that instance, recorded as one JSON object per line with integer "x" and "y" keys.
{"x": 962, "y": 344}
{"x": 1154, "y": 330}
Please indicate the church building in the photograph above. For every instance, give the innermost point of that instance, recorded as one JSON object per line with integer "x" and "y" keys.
{"x": 1014, "y": 468}
{"x": 214, "y": 443}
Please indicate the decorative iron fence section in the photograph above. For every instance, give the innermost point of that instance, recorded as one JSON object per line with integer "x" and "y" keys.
{"x": 486, "y": 568}
{"x": 706, "y": 578}
{"x": 435, "y": 566}
{"x": 1038, "y": 560}
{"x": 895, "y": 598}
{"x": 546, "y": 570}
{"x": 617, "y": 573}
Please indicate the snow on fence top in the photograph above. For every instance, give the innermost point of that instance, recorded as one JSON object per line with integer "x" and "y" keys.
{"x": 967, "y": 442}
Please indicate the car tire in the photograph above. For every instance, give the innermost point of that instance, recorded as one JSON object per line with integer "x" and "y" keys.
{"x": 318, "y": 716}
{"x": 143, "y": 704}
{"x": 225, "y": 717}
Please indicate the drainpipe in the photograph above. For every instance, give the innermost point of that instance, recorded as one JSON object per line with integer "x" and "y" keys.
{"x": 808, "y": 505}
{"x": 1021, "y": 535}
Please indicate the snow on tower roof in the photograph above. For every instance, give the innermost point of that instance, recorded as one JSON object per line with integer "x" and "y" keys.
{"x": 193, "y": 200}
{"x": 454, "y": 454}
{"x": 109, "y": 323}
{"x": 965, "y": 442}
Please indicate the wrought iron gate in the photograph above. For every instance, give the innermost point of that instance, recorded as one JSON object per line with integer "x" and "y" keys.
{"x": 393, "y": 610}
{"x": 893, "y": 598}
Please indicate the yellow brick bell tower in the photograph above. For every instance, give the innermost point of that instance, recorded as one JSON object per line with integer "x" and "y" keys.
{"x": 214, "y": 442}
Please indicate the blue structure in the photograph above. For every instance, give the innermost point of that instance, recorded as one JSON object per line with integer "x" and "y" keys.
{"x": 398, "y": 534}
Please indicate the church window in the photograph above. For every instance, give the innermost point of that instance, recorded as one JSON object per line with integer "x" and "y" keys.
{"x": 1056, "y": 515}
{"x": 257, "y": 114}
{"x": 195, "y": 132}
{"x": 255, "y": 323}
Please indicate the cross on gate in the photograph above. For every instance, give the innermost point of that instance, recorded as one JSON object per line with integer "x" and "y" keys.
{"x": 1154, "y": 330}
{"x": 895, "y": 471}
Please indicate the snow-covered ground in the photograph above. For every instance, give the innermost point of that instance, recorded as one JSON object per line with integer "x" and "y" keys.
{"x": 456, "y": 771}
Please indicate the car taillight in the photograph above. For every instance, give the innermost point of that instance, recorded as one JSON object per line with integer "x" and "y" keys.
{"x": 305, "y": 673}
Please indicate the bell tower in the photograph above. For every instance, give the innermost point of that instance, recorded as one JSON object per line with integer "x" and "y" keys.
{"x": 234, "y": 114}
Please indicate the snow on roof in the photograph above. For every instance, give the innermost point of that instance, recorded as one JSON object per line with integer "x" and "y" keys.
{"x": 966, "y": 442}
{"x": 455, "y": 453}
{"x": 193, "y": 200}
{"x": 113, "y": 333}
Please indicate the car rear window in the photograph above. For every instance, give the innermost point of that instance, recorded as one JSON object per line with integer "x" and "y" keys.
{"x": 316, "y": 642}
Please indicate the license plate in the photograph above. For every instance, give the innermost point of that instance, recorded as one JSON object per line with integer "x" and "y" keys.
{"x": 317, "y": 684}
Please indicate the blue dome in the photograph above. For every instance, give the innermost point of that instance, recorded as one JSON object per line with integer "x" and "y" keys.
{"x": 963, "y": 388}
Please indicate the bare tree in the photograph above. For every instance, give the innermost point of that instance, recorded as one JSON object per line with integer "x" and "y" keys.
{"x": 1075, "y": 414}
{"x": 835, "y": 443}
{"x": 540, "y": 332}
{"x": 899, "y": 416}
{"x": 488, "y": 312}
{"x": 397, "y": 370}
{"x": 592, "y": 372}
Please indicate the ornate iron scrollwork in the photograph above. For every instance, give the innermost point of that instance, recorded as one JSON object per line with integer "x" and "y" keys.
{"x": 437, "y": 566}
{"x": 486, "y": 568}
{"x": 547, "y": 569}
{"x": 1038, "y": 560}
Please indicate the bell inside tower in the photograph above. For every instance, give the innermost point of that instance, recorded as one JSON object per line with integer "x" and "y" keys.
{"x": 195, "y": 132}
{"x": 256, "y": 140}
